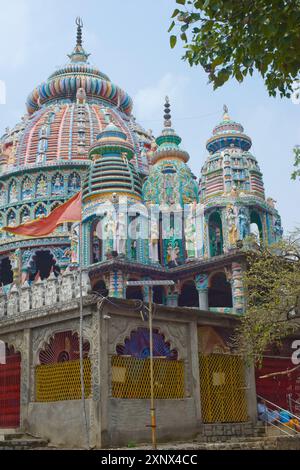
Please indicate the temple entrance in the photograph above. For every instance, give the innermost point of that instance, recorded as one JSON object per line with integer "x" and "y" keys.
{"x": 189, "y": 296}
{"x": 43, "y": 263}
{"x": 219, "y": 292}
{"x": 215, "y": 234}
{"x": 256, "y": 228}
{"x": 6, "y": 272}
{"x": 10, "y": 379}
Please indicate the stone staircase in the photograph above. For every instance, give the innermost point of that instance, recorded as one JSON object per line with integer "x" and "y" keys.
{"x": 11, "y": 439}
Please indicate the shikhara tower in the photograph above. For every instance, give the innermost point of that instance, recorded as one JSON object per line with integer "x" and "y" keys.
{"x": 79, "y": 133}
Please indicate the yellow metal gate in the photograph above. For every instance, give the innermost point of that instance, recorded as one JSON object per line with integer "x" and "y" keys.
{"x": 222, "y": 386}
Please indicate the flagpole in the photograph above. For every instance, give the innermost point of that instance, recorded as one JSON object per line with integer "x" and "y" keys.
{"x": 81, "y": 338}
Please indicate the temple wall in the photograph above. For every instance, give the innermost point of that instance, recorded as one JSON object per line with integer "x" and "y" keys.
{"x": 60, "y": 422}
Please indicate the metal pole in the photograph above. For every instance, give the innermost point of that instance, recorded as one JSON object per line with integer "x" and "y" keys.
{"x": 152, "y": 405}
{"x": 81, "y": 339}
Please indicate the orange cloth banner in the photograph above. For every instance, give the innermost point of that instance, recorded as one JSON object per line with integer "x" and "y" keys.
{"x": 69, "y": 211}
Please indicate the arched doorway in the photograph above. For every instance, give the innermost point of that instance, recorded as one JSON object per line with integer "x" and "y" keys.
{"x": 215, "y": 234}
{"x": 134, "y": 292}
{"x": 96, "y": 242}
{"x": 219, "y": 291}
{"x": 189, "y": 296}
{"x": 6, "y": 272}
{"x": 10, "y": 379}
{"x": 100, "y": 287}
{"x": 158, "y": 295}
{"x": 256, "y": 228}
{"x": 42, "y": 264}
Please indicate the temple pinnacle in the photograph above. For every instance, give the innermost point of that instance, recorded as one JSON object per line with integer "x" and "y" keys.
{"x": 167, "y": 113}
{"x": 79, "y": 24}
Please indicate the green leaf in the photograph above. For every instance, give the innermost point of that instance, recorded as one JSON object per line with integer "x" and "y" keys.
{"x": 173, "y": 40}
{"x": 171, "y": 26}
{"x": 175, "y": 13}
{"x": 181, "y": 2}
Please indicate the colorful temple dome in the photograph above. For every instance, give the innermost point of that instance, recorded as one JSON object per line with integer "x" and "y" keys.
{"x": 230, "y": 167}
{"x": 67, "y": 112}
{"x": 111, "y": 171}
{"x": 228, "y": 133}
{"x": 170, "y": 180}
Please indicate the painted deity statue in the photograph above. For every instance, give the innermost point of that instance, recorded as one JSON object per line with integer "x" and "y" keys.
{"x": 13, "y": 192}
{"x": 243, "y": 223}
{"x": 231, "y": 222}
{"x": 154, "y": 237}
{"x": 173, "y": 252}
{"x": 110, "y": 228}
{"x": 190, "y": 237}
{"x": 58, "y": 185}
{"x": 41, "y": 188}
{"x": 122, "y": 235}
{"x": 27, "y": 189}
{"x": 75, "y": 244}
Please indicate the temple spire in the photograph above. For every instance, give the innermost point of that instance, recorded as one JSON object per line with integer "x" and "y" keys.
{"x": 167, "y": 113}
{"x": 79, "y": 24}
{"x": 79, "y": 54}
{"x": 225, "y": 113}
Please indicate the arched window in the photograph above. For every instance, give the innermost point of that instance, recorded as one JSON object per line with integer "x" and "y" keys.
{"x": 40, "y": 211}
{"x": 24, "y": 215}
{"x": 189, "y": 296}
{"x": 134, "y": 292}
{"x": 215, "y": 234}
{"x": 2, "y": 194}
{"x": 158, "y": 295}
{"x": 57, "y": 184}
{"x": 11, "y": 218}
{"x": 62, "y": 347}
{"x": 100, "y": 287}
{"x": 13, "y": 192}
{"x": 256, "y": 227}
{"x": 42, "y": 264}
{"x": 26, "y": 188}
{"x": 6, "y": 272}
{"x": 74, "y": 183}
{"x": 96, "y": 241}
{"x": 219, "y": 291}
{"x": 138, "y": 345}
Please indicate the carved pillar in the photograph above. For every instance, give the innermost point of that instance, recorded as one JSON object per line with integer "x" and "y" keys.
{"x": 116, "y": 284}
{"x": 66, "y": 290}
{"x": 172, "y": 296}
{"x": 13, "y": 302}
{"x": 51, "y": 290}
{"x": 201, "y": 281}
{"x": 2, "y": 303}
{"x": 238, "y": 300}
{"x": 37, "y": 297}
{"x": 15, "y": 261}
{"x": 25, "y": 297}
{"x": 26, "y": 357}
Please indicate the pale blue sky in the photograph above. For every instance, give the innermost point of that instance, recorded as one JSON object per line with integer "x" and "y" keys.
{"x": 128, "y": 41}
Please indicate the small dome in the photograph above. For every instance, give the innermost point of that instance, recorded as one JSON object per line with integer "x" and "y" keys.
{"x": 170, "y": 180}
{"x": 112, "y": 171}
{"x": 228, "y": 133}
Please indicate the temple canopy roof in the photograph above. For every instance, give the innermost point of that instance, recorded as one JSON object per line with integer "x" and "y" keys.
{"x": 228, "y": 133}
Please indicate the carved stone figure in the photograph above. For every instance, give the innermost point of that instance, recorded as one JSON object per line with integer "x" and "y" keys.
{"x": 154, "y": 237}
{"x": 13, "y": 302}
{"x": 190, "y": 237}
{"x": 243, "y": 223}
{"x": 37, "y": 298}
{"x": 51, "y": 290}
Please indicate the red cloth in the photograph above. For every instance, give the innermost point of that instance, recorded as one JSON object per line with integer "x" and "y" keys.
{"x": 69, "y": 211}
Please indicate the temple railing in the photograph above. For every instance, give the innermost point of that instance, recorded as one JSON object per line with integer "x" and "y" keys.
{"x": 42, "y": 294}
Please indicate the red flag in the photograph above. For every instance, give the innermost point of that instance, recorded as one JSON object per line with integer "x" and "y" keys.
{"x": 69, "y": 211}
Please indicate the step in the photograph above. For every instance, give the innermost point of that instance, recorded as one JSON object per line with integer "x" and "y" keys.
{"x": 21, "y": 441}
